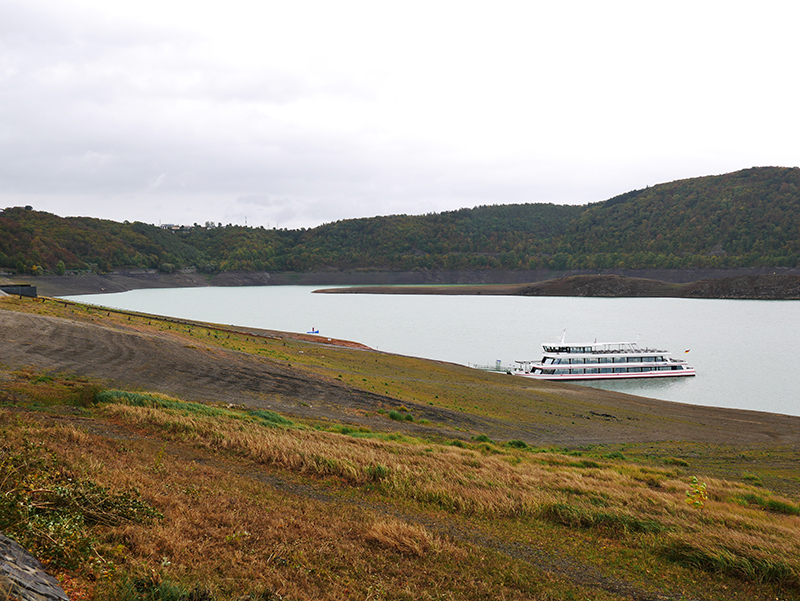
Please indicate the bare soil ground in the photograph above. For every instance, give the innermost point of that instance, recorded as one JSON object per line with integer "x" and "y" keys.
{"x": 544, "y": 413}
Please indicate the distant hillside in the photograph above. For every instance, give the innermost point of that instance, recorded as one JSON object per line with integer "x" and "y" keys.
{"x": 33, "y": 241}
{"x": 749, "y": 218}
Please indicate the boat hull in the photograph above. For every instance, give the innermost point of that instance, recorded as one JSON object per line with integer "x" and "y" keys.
{"x": 678, "y": 373}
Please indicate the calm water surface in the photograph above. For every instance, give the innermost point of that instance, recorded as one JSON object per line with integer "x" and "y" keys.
{"x": 747, "y": 353}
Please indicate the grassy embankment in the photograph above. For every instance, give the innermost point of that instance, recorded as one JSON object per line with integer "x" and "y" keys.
{"x": 140, "y": 496}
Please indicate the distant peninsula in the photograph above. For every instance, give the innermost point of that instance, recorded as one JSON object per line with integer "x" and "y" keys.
{"x": 756, "y": 287}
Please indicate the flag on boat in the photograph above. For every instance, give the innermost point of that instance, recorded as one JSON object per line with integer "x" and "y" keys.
{"x": 687, "y": 350}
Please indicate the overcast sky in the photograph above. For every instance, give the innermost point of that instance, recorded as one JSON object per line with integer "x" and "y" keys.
{"x": 297, "y": 113}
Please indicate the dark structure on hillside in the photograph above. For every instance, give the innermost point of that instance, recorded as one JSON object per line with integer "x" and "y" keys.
{"x": 21, "y": 289}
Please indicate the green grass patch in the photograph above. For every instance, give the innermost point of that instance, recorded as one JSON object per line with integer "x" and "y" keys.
{"x": 270, "y": 417}
{"x": 578, "y": 517}
{"x": 773, "y": 505}
{"x": 752, "y": 479}
{"x": 586, "y": 464}
{"x": 760, "y": 570}
{"x": 137, "y": 399}
{"x": 154, "y": 588}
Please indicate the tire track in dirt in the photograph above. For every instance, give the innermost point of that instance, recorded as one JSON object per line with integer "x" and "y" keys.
{"x": 166, "y": 364}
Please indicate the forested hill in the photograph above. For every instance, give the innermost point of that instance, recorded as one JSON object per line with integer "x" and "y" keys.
{"x": 749, "y": 218}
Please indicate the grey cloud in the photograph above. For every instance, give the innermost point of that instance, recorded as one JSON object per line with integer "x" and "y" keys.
{"x": 127, "y": 121}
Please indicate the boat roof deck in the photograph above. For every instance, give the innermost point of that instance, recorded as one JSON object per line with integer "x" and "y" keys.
{"x": 599, "y": 348}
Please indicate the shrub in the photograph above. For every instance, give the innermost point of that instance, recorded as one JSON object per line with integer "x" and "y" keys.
{"x": 50, "y": 512}
{"x": 517, "y": 444}
{"x": 696, "y": 496}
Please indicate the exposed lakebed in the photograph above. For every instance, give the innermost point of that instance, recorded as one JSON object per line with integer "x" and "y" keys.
{"x": 745, "y": 351}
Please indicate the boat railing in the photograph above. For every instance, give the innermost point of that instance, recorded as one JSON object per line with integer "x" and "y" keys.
{"x": 613, "y": 352}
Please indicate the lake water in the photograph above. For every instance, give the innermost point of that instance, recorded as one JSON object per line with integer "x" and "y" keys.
{"x": 747, "y": 353}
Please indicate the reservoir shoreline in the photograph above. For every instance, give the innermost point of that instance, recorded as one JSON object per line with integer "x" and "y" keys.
{"x": 764, "y": 283}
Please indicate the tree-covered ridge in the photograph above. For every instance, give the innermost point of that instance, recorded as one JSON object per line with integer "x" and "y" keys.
{"x": 747, "y": 218}
{"x": 484, "y": 237}
{"x": 33, "y": 240}
{"x": 743, "y": 219}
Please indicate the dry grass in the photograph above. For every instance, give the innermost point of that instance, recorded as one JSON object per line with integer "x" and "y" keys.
{"x": 226, "y": 534}
{"x": 613, "y": 498}
{"x": 224, "y": 531}
{"x": 405, "y": 538}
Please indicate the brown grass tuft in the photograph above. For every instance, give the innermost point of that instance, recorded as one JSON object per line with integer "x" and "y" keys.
{"x": 407, "y": 539}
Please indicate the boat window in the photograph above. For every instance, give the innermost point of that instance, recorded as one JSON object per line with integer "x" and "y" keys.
{"x": 606, "y": 370}
{"x": 648, "y": 359}
{"x": 635, "y": 359}
{"x": 619, "y": 370}
{"x": 548, "y": 361}
{"x": 634, "y": 369}
{"x": 620, "y": 359}
{"x": 591, "y": 371}
{"x": 591, "y": 360}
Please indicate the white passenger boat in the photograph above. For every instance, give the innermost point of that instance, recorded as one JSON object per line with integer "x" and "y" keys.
{"x": 601, "y": 361}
